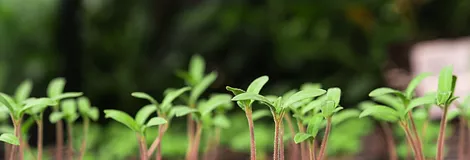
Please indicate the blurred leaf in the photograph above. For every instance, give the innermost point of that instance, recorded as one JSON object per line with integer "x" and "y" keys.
{"x": 300, "y": 137}
{"x": 344, "y": 115}
{"x": 67, "y": 95}
{"x": 221, "y": 121}
{"x": 384, "y": 112}
{"x": 181, "y": 111}
{"x": 258, "y": 114}
{"x": 166, "y": 103}
{"x": 143, "y": 114}
{"x": 419, "y": 102}
{"x": 143, "y": 95}
{"x": 301, "y": 95}
{"x": 382, "y": 91}
{"x": 155, "y": 121}
{"x": 414, "y": 83}
{"x": 9, "y": 138}
{"x": 202, "y": 86}
{"x": 252, "y": 96}
{"x": 23, "y": 91}
{"x": 334, "y": 94}
{"x": 214, "y": 102}
{"x": 123, "y": 118}
{"x": 56, "y": 116}
{"x": 69, "y": 106}
{"x": 8, "y": 102}
{"x": 94, "y": 113}
{"x": 56, "y": 87}
{"x": 197, "y": 67}
{"x": 83, "y": 105}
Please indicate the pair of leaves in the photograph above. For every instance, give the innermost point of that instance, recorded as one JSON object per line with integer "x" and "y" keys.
{"x": 166, "y": 104}
{"x": 55, "y": 90}
{"x": 68, "y": 112}
{"x": 330, "y": 105}
{"x": 314, "y": 125}
{"x": 138, "y": 124}
{"x": 254, "y": 87}
{"x": 446, "y": 87}
{"x": 86, "y": 110}
{"x": 18, "y": 110}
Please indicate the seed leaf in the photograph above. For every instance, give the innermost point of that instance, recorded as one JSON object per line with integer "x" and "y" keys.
{"x": 69, "y": 106}
{"x": 155, "y": 121}
{"x": 171, "y": 96}
{"x": 181, "y": 111}
{"x": 123, "y": 118}
{"x": 144, "y": 113}
{"x": 23, "y": 91}
{"x": 9, "y": 138}
{"x": 83, "y": 105}
{"x": 94, "y": 113}
{"x": 56, "y": 87}
{"x": 37, "y": 105}
{"x": 420, "y": 101}
{"x": 391, "y": 101}
{"x": 252, "y": 96}
{"x": 414, "y": 83}
{"x": 7, "y": 101}
{"x": 314, "y": 125}
{"x": 201, "y": 87}
{"x": 196, "y": 68}
{"x": 315, "y": 104}
{"x": 258, "y": 114}
{"x": 257, "y": 84}
{"x": 380, "y": 111}
{"x": 307, "y": 86}
{"x": 56, "y": 116}
{"x": 344, "y": 115}
{"x": 300, "y": 137}
{"x": 445, "y": 83}
{"x": 301, "y": 95}
{"x": 334, "y": 94}
{"x": 143, "y": 95}
{"x": 384, "y": 90}
{"x": 67, "y": 95}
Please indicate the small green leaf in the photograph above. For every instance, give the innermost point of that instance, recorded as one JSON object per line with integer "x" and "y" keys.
{"x": 315, "y": 104}
{"x": 214, "y": 102}
{"x": 300, "y": 137}
{"x": 344, "y": 115}
{"x": 334, "y": 94}
{"x": 380, "y": 111}
{"x": 143, "y": 114}
{"x": 307, "y": 86}
{"x": 69, "y": 106}
{"x": 337, "y": 109}
{"x": 123, "y": 118}
{"x": 202, "y": 86}
{"x": 301, "y": 95}
{"x": 257, "y": 84}
{"x": 314, "y": 125}
{"x": 9, "y": 138}
{"x": 37, "y": 105}
{"x": 67, "y": 95}
{"x": 56, "y": 87}
{"x": 419, "y": 102}
{"x": 7, "y": 101}
{"x": 382, "y": 91}
{"x": 366, "y": 104}
{"x": 155, "y": 121}
{"x": 258, "y": 114}
{"x": 252, "y": 96}
{"x": 83, "y": 105}
{"x": 23, "y": 91}
{"x": 237, "y": 91}
{"x": 391, "y": 101}
{"x": 221, "y": 121}
{"x": 196, "y": 68}
{"x": 181, "y": 111}
{"x": 56, "y": 116}
{"x": 143, "y": 95}
{"x": 166, "y": 103}
{"x": 93, "y": 113}
{"x": 414, "y": 83}
{"x": 445, "y": 79}
{"x": 186, "y": 77}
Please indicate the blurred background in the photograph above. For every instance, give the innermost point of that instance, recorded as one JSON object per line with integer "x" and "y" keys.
{"x": 109, "y": 48}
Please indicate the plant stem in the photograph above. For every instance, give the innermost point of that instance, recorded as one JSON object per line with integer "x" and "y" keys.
{"x": 389, "y": 139}
{"x": 157, "y": 141}
{"x": 324, "y": 142}
{"x": 303, "y": 151}
{"x": 276, "y": 139}
{"x": 461, "y": 154}
{"x": 419, "y": 147}
{"x": 311, "y": 150}
{"x": 59, "y": 140}
{"x": 20, "y": 137}
{"x": 251, "y": 127}
{"x": 281, "y": 140}
{"x": 162, "y": 130}
{"x": 190, "y": 131}
{"x": 70, "y": 141}
{"x": 7, "y": 151}
{"x": 86, "y": 122}
{"x": 142, "y": 147}
{"x": 441, "y": 138}
{"x": 194, "y": 153}
{"x": 17, "y": 128}
{"x": 40, "y": 138}
{"x": 410, "y": 140}
{"x": 294, "y": 148}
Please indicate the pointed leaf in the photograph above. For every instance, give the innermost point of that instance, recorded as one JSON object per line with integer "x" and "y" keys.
{"x": 301, "y": 95}
{"x": 257, "y": 84}
{"x": 143, "y": 114}
{"x": 334, "y": 94}
{"x": 67, "y": 95}
{"x": 313, "y": 104}
{"x": 252, "y": 96}
{"x": 420, "y": 101}
{"x": 123, "y": 118}
{"x": 258, "y": 114}
{"x": 7, "y": 101}
{"x": 337, "y": 109}
{"x": 214, "y": 102}
{"x": 344, "y": 115}
{"x": 202, "y": 86}
{"x": 391, "y": 101}
{"x": 314, "y": 125}
{"x": 382, "y": 112}
{"x": 143, "y": 95}
{"x": 197, "y": 67}
{"x": 37, "y": 105}
{"x": 9, "y": 138}
{"x": 235, "y": 91}
{"x": 93, "y": 113}
{"x": 181, "y": 111}
{"x": 155, "y": 121}
{"x": 300, "y": 137}
{"x": 23, "y": 91}
{"x": 445, "y": 79}
{"x": 171, "y": 96}
{"x": 83, "y": 105}
{"x": 414, "y": 83}
{"x": 56, "y": 87}
{"x": 384, "y": 90}
{"x": 307, "y": 86}
{"x": 55, "y": 116}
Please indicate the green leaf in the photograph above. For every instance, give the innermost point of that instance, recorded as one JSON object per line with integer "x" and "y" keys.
{"x": 56, "y": 87}
{"x": 23, "y": 91}
{"x": 9, "y": 138}
{"x": 37, "y": 105}
{"x": 56, "y": 116}
{"x": 315, "y": 104}
{"x": 414, "y": 83}
{"x": 8, "y": 102}
{"x": 123, "y": 118}
{"x": 391, "y": 101}
{"x": 445, "y": 85}
{"x": 186, "y": 77}
{"x": 67, "y": 95}
{"x": 155, "y": 121}
{"x": 93, "y": 113}
{"x": 69, "y": 106}
{"x": 380, "y": 111}
{"x": 301, "y": 95}
{"x": 202, "y": 86}
{"x": 337, "y": 109}
{"x": 300, "y": 137}
{"x": 237, "y": 91}
{"x": 214, "y": 102}
{"x": 181, "y": 111}
{"x": 366, "y": 104}
{"x": 383, "y": 91}
{"x": 314, "y": 125}
{"x": 221, "y": 121}
{"x": 83, "y": 105}
{"x": 252, "y": 96}
{"x": 257, "y": 84}
{"x": 419, "y": 102}
{"x": 334, "y": 94}
{"x": 197, "y": 67}
{"x": 258, "y": 114}
{"x": 171, "y": 96}
{"x": 143, "y": 95}
{"x": 344, "y": 115}
{"x": 307, "y": 86}
{"x": 144, "y": 113}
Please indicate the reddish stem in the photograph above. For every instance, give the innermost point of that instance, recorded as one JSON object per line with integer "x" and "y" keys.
{"x": 59, "y": 140}
{"x": 40, "y": 138}
{"x": 441, "y": 138}
{"x": 17, "y": 126}
{"x": 303, "y": 148}
{"x": 142, "y": 147}
{"x": 389, "y": 139}
{"x": 294, "y": 148}
{"x": 281, "y": 140}
{"x": 410, "y": 140}
{"x": 461, "y": 154}
{"x": 419, "y": 146}
{"x": 86, "y": 122}
{"x": 194, "y": 152}
{"x": 324, "y": 142}
{"x": 70, "y": 141}
{"x": 162, "y": 130}
{"x": 276, "y": 140}
{"x": 7, "y": 150}
{"x": 251, "y": 126}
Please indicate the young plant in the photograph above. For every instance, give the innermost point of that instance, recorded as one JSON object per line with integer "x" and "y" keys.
{"x": 55, "y": 91}
{"x": 255, "y": 87}
{"x": 203, "y": 117}
{"x": 165, "y": 111}
{"x": 314, "y": 124}
{"x": 278, "y": 109}
{"x": 5, "y": 127}
{"x": 69, "y": 114}
{"x": 329, "y": 107}
{"x": 199, "y": 82}
{"x": 87, "y": 112}
{"x": 137, "y": 124}
{"x": 444, "y": 97}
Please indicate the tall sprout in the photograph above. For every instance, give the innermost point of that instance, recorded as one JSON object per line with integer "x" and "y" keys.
{"x": 87, "y": 112}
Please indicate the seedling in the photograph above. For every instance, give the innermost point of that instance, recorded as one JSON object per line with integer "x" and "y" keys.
{"x": 137, "y": 124}
{"x": 55, "y": 91}
{"x": 255, "y": 87}
{"x": 202, "y": 115}
{"x": 444, "y": 97}
{"x": 70, "y": 115}
{"x": 199, "y": 82}
{"x": 164, "y": 110}
{"x": 87, "y": 112}
{"x": 278, "y": 109}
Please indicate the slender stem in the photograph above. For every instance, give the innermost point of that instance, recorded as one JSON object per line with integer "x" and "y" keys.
{"x": 142, "y": 147}
{"x": 441, "y": 138}
{"x": 70, "y": 141}
{"x": 419, "y": 145}
{"x": 294, "y": 148}
{"x": 7, "y": 150}
{"x": 311, "y": 154}
{"x": 303, "y": 151}
{"x": 251, "y": 126}
{"x": 17, "y": 128}
{"x": 276, "y": 140}
{"x": 20, "y": 137}
{"x": 461, "y": 154}
{"x": 392, "y": 154}
{"x": 216, "y": 144}
{"x": 59, "y": 131}
{"x": 410, "y": 140}
{"x": 190, "y": 131}
{"x": 162, "y": 130}
{"x": 194, "y": 153}
{"x": 86, "y": 123}
{"x": 324, "y": 142}
{"x": 157, "y": 141}
{"x": 281, "y": 139}
{"x": 40, "y": 138}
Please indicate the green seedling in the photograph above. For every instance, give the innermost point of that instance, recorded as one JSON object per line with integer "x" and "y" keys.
{"x": 255, "y": 87}
{"x": 87, "y": 112}
{"x": 329, "y": 107}
{"x": 444, "y": 97}
{"x": 69, "y": 114}
{"x": 203, "y": 117}
{"x": 164, "y": 110}
{"x": 199, "y": 82}
{"x": 278, "y": 109}
{"x": 137, "y": 124}
{"x": 55, "y": 91}
{"x": 402, "y": 103}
